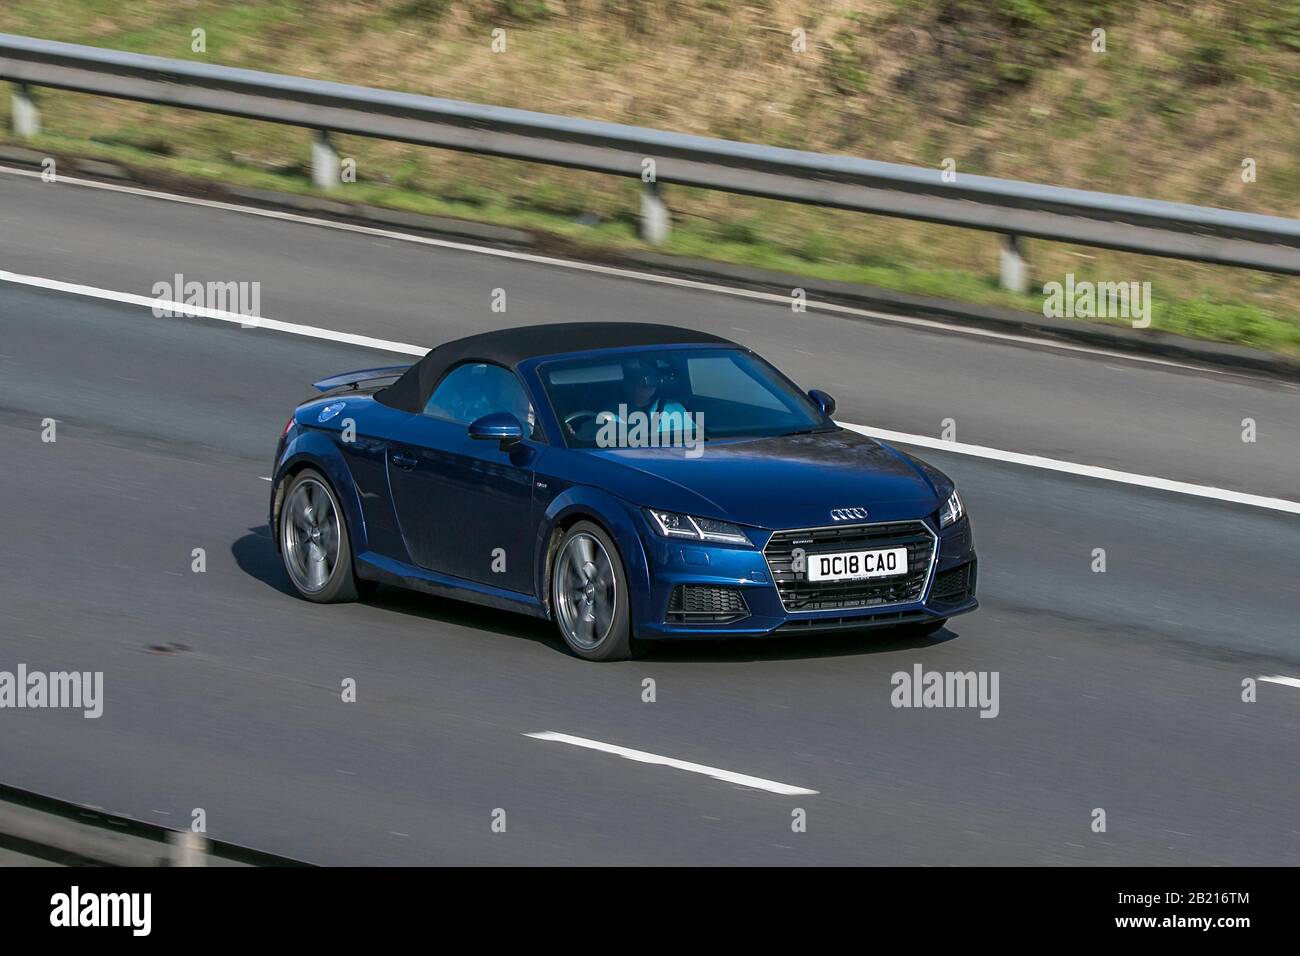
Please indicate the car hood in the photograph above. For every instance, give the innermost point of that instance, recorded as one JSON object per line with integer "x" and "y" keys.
{"x": 786, "y": 482}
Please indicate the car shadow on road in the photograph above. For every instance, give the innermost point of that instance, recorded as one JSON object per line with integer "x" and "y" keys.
{"x": 256, "y": 555}
{"x": 801, "y": 647}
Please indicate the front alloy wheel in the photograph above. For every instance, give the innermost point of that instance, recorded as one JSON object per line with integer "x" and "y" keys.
{"x": 589, "y": 595}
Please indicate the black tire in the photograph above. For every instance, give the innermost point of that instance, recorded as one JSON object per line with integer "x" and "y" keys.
{"x": 339, "y": 584}
{"x": 569, "y": 611}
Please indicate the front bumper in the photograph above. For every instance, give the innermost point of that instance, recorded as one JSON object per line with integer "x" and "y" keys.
{"x": 692, "y": 587}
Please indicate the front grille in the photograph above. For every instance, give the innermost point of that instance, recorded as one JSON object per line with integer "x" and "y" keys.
{"x": 954, "y": 586}
{"x": 799, "y": 594}
{"x": 704, "y": 604}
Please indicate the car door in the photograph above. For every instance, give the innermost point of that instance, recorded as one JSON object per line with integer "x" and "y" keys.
{"x": 464, "y": 505}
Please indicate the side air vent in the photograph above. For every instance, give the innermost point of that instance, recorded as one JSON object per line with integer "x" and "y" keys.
{"x": 706, "y": 604}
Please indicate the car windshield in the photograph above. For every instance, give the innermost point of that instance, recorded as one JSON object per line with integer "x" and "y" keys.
{"x": 711, "y": 393}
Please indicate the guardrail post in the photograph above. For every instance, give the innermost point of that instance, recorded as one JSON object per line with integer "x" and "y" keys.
{"x": 1015, "y": 270}
{"x": 24, "y": 115}
{"x": 655, "y": 219}
{"x": 324, "y": 161}
{"x": 188, "y": 848}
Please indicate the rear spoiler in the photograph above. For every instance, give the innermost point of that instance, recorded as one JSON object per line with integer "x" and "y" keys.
{"x": 354, "y": 379}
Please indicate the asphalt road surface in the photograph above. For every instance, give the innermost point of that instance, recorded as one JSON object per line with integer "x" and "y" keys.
{"x": 1119, "y": 690}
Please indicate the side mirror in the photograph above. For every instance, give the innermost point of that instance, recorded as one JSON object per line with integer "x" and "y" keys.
{"x": 499, "y": 426}
{"x": 824, "y": 401}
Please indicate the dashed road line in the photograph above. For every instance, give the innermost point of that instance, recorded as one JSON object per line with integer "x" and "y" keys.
{"x": 640, "y": 756}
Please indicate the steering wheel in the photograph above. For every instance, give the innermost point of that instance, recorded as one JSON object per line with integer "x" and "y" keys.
{"x": 571, "y": 419}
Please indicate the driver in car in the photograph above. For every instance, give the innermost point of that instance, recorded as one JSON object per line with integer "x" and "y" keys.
{"x": 643, "y": 399}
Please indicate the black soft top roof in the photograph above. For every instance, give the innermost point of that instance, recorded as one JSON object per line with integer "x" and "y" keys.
{"x": 509, "y": 347}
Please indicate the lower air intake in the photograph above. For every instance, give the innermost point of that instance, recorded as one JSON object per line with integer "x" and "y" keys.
{"x": 955, "y": 586}
{"x": 706, "y": 604}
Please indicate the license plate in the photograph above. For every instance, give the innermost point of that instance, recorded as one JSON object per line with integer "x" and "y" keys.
{"x": 856, "y": 565}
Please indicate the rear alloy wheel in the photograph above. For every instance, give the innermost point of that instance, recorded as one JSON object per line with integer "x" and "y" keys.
{"x": 589, "y": 595}
{"x": 314, "y": 541}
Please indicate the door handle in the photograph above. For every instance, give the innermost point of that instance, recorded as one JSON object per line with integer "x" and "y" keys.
{"x": 404, "y": 461}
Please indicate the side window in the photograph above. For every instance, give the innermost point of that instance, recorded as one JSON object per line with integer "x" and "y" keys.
{"x": 473, "y": 390}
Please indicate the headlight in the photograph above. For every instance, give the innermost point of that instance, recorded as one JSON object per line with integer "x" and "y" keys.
{"x": 670, "y": 524}
{"x": 952, "y": 510}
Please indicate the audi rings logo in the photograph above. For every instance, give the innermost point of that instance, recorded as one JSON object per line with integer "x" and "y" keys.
{"x": 848, "y": 514}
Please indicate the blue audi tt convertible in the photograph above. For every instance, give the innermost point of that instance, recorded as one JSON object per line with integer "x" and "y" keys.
{"x": 628, "y": 481}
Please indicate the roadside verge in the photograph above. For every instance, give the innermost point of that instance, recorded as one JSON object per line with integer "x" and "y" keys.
{"x": 1006, "y": 321}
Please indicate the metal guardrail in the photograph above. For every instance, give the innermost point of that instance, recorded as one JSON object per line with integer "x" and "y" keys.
{"x": 38, "y": 829}
{"x": 1014, "y": 209}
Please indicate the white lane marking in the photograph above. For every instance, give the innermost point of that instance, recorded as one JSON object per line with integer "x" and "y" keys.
{"x": 904, "y": 438}
{"x": 1279, "y": 679}
{"x": 1072, "y": 468}
{"x": 609, "y": 270}
{"x": 640, "y": 756}
{"x": 264, "y": 477}
{"x": 192, "y": 311}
